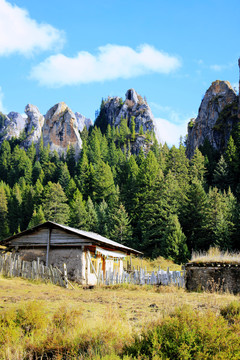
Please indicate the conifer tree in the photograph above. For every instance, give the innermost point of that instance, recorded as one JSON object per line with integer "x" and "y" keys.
{"x": 27, "y": 206}
{"x": 174, "y": 245}
{"x": 37, "y": 172}
{"x": 83, "y": 173}
{"x": 120, "y": 230}
{"x": 4, "y": 228}
{"x": 103, "y": 217}
{"x": 132, "y": 128}
{"x": 55, "y": 206}
{"x": 78, "y": 212}
{"x": 31, "y": 153}
{"x": 37, "y": 218}
{"x": 70, "y": 160}
{"x": 197, "y": 166}
{"x": 193, "y": 216}
{"x": 14, "y": 208}
{"x": 64, "y": 176}
{"x": 220, "y": 224}
{"x": 71, "y": 189}
{"x": 5, "y": 160}
{"x": 103, "y": 184}
{"x": 38, "y": 192}
{"x": 221, "y": 176}
{"x": 91, "y": 216}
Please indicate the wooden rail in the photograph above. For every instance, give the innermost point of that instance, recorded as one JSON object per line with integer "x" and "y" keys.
{"x": 141, "y": 277}
{"x": 11, "y": 265}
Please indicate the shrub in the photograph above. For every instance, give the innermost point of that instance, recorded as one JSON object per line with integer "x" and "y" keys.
{"x": 231, "y": 312}
{"x": 187, "y": 334}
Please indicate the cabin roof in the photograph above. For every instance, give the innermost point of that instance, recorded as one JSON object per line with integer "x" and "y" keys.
{"x": 96, "y": 238}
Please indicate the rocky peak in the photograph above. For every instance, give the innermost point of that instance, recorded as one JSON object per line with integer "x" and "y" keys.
{"x": 60, "y": 129}
{"x": 83, "y": 121}
{"x": 12, "y": 125}
{"x": 113, "y": 109}
{"x": 33, "y": 125}
{"x": 131, "y": 95}
{"x": 216, "y": 116}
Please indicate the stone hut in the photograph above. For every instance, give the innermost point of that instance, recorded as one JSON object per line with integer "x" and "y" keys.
{"x": 85, "y": 253}
{"x": 213, "y": 276}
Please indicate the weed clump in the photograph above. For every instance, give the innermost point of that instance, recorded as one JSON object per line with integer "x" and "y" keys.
{"x": 215, "y": 255}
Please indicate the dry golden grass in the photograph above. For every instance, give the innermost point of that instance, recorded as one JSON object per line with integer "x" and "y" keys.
{"x": 217, "y": 256}
{"x": 152, "y": 265}
{"x": 135, "y": 305}
{"x": 111, "y": 315}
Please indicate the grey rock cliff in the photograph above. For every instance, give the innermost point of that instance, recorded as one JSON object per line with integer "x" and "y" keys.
{"x": 216, "y": 116}
{"x": 83, "y": 121}
{"x": 13, "y": 125}
{"x": 33, "y": 125}
{"x": 60, "y": 129}
{"x": 113, "y": 109}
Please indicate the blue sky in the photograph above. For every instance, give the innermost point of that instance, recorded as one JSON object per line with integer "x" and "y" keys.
{"x": 82, "y": 51}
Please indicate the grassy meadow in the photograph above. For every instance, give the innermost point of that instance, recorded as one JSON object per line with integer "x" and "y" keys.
{"x": 43, "y": 321}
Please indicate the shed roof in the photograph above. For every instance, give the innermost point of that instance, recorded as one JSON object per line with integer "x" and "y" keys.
{"x": 96, "y": 238}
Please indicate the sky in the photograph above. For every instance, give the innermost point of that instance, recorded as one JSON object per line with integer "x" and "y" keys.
{"x": 81, "y": 52}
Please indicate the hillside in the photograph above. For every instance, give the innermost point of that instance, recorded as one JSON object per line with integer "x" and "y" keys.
{"x": 115, "y": 179}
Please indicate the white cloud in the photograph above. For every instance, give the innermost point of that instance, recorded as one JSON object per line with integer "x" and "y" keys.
{"x": 169, "y": 132}
{"x": 111, "y": 62}
{"x": 171, "y": 125}
{"x": 20, "y": 33}
{"x": 217, "y": 67}
{"x": 2, "y": 108}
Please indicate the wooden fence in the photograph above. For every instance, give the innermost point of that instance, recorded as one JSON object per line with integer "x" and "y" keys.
{"x": 11, "y": 265}
{"x": 141, "y": 277}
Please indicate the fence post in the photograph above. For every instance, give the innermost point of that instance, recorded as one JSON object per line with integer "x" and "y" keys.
{"x": 65, "y": 275}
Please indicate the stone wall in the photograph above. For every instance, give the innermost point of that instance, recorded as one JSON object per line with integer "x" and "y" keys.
{"x": 213, "y": 277}
{"x": 73, "y": 257}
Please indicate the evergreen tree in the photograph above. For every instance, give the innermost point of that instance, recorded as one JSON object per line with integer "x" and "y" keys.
{"x": 132, "y": 128}
{"x": 4, "y": 228}
{"x": 37, "y": 218}
{"x": 174, "y": 241}
{"x": 70, "y": 160}
{"x": 94, "y": 147}
{"x": 102, "y": 216}
{"x": 91, "y": 216}
{"x": 220, "y": 224}
{"x": 5, "y": 160}
{"x": 123, "y": 130}
{"x": 37, "y": 172}
{"x": 55, "y": 206}
{"x": 31, "y": 153}
{"x": 38, "y": 192}
{"x": 83, "y": 174}
{"x": 27, "y": 206}
{"x": 71, "y": 189}
{"x": 64, "y": 176}
{"x": 193, "y": 217}
{"x": 14, "y": 208}
{"x": 120, "y": 230}
{"x": 103, "y": 184}
{"x": 197, "y": 166}
{"x": 78, "y": 212}
{"x": 221, "y": 176}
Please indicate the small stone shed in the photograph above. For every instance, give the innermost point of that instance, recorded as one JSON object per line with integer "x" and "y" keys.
{"x": 85, "y": 253}
{"x": 213, "y": 276}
